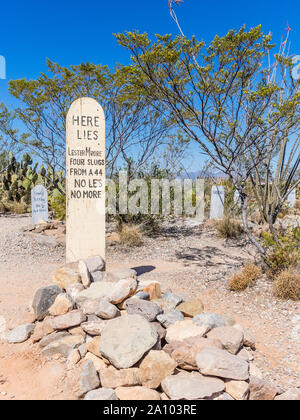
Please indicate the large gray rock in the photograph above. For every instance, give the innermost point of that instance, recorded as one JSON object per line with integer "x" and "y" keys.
{"x": 212, "y": 320}
{"x": 146, "y": 309}
{"x": 170, "y": 318}
{"x": 220, "y": 363}
{"x": 126, "y": 339}
{"x": 94, "y": 263}
{"x": 101, "y": 394}
{"x": 116, "y": 275}
{"x": 192, "y": 386}
{"x": 230, "y": 337}
{"x": 69, "y": 320}
{"x": 43, "y": 299}
{"x": 20, "y": 334}
{"x": 93, "y": 327}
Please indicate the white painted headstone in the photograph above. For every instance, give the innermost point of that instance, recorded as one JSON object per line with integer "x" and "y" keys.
{"x": 39, "y": 204}
{"x": 291, "y": 200}
{"x": 85, "y": 180}
{"x": 217, "y": 202}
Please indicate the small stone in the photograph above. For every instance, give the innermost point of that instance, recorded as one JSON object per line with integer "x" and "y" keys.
{"x": 89, "y": 379}
{"x": 93, "y": 328}
{"x": 184, "y": 352}
{"x": 230, "y": 337}
{"x": 212, "y": 320}
{"x": 290, "y": 395}
{"x": 63, "y": 346}
{"x": 224, "y": 397}
{"x": 220, "y": 363}
{"x": 165, "y": 305}
{"x": 61, "y": 305}
{"x": 124, "y": 340}
{"x": 101, "y": 394}
{"x": 94, "y": 263}
{"x": 173, "y": 298}
{"x": 255, "y": 371}
{"x": 65, "y": 276}
{"x": 239, "y": 390}
{"x": 244, "y": 354}
{"x": 191, "y": 307}
{"x": 55, "y": 336}
{"x": 111, "y": 377}
{"x": 43, "y": 300}
{"x": 73, "y": 358}
{"x": 136, "y": 393}
{"x": 84, "y": 273}
{"x": 20, "y": 334}
{"x": 249, "y": 340}
{"x": 89, "y": 306}
{"x": 106, "y": 310}
{"x": 122, "y": 290}
{"x": 74, "y": 289}
{"x": 42, "y": 329}
{"x": 184, "y": 329}
{"x": 98, "y": 362}
{"x": 154, "y": 291}
{"x": 192, "y": 386}
{"x": 146, "y": 309}
{"x": 161, "y": 331}
{"x": 97, "y": 276}
{"x": 77, "y": 331}
{"x": 116, "y": 275}
{"x": 155, "y": 367}
{"x": 69, "y": 320}
{"x": 170, "y": 318}
{"x": 93, "y": 346}
{"x": 261, "y": 390}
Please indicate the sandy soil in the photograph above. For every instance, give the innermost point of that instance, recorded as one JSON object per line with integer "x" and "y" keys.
{"x": 192, "y": 261}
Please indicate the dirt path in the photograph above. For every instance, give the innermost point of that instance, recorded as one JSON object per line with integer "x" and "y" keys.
{"x": 191, "y": 261}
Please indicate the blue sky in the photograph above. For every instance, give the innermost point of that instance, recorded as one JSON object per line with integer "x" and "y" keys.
{"x": 71, "y": 32}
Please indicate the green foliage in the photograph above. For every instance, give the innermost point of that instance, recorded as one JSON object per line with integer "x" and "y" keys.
{"x": 57, "y": 202}
{"x": 17, "y": 181}
{"x": 284, "y": 254}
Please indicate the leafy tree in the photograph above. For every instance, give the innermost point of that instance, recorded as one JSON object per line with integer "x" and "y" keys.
{"x": 135, "y": 129}
{"x": 219, "y": 95}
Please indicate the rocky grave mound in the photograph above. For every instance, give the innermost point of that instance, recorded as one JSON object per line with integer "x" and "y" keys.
{"x": 125, "y": 339}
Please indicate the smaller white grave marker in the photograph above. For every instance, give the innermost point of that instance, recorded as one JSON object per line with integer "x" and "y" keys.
{"x": 217, "y": 202}
{"x": 39, "y": 204}
{"x": 291, "y": 200}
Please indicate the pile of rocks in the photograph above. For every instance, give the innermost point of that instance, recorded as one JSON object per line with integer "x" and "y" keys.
{"x": 124, "y": 339}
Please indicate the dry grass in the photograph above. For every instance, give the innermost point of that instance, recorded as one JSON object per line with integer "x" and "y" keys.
{"x": 228, "y": 227}
{"x": 130, "y": 235}
{"x": 287, "y": 285}
{"x": 246, "y": 278}
{"x": 13, "y": 207}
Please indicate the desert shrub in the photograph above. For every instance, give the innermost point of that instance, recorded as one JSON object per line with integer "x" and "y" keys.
{"x": 130, "y": 235}
{"x": 228, "y": 227}
{"x": 284, "y": 255}
{"x": 287, "y": 285}
{"x": 14, "y": 207}
{"x": 58, "y": 206}
{"x": 246, "y": 278}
